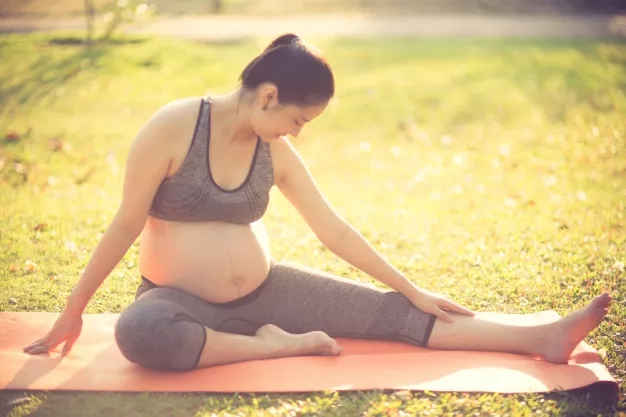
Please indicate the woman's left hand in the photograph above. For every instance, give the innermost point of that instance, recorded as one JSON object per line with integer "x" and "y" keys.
{"x": 438, "y": 305}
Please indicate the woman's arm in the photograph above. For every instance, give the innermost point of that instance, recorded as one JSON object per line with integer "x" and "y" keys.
{"x": 112, "y": 247}
{"x": 147, "y": 165}
{"x": 298, "y": 186}
{"x": 296, "y": 183}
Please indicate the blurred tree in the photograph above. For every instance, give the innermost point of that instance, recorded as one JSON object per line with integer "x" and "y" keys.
{"x": 90, "y": 15}
{"x": 113, "y": 13}
{"x": 217, "y": 6}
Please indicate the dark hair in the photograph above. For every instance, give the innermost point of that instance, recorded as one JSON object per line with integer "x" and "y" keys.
{"x": 301, "y": 74}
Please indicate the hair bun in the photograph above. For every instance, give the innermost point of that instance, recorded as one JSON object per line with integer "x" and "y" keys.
{"x": 300, "y": 74}
{"x": 285, "y": 39}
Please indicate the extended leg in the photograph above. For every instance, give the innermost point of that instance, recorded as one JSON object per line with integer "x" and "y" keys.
{"x": 554, "y": 340}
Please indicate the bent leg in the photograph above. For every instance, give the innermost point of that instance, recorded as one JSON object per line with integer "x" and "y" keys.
{"x": 269, "y": 342}
{"x": 160, "y": 334}
{"x": 166, "y": 329}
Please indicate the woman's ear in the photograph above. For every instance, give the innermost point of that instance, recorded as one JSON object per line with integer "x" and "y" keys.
{"x": 268, "y": 96}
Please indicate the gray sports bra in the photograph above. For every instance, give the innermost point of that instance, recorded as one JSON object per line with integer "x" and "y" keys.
{"x": 192, "y": 195}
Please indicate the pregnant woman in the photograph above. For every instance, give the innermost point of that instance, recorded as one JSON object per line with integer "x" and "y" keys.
{"x": 197, "y": 184}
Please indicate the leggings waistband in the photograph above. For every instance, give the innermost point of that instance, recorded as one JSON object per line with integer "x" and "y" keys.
{"x": 238, "y": 302}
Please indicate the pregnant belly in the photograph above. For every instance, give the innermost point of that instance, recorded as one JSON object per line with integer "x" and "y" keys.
{"x": 216, "y": 261}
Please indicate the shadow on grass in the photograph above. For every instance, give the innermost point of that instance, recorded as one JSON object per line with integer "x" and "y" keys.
{"x": 92, "y": 404}
{"x": 600, "y": 398}
{"x": 47, "y": 74}
{"x": 226, "y": 42}
{"x": 77, "y": 41}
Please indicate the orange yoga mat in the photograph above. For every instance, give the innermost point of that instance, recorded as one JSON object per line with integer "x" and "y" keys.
{"x": 95, "y": 364}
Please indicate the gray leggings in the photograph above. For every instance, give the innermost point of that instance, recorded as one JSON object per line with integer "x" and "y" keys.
{"x": 164, "y": 327}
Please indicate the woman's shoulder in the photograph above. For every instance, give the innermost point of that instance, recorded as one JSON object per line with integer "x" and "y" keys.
{"x": 171, "y": 126}
{"x": 177, "y": 113}
{"x": 282, "y": 146}
{"x": 284, "y": 157}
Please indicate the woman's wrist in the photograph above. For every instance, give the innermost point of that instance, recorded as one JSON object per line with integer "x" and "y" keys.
{"x": 75, "y": 304}
{"x": 405, "y": 287}
{"x": 414, "y": 293}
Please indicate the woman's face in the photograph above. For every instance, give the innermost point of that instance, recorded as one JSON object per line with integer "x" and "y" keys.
{"x": 282, "y": 119}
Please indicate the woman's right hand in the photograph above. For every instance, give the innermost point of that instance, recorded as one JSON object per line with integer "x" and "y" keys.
{"x": 66, "y": 329}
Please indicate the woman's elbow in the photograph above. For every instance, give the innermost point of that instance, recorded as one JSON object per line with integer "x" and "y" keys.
{"x": 334, "y": 235}
{"x": 128, "y": 225}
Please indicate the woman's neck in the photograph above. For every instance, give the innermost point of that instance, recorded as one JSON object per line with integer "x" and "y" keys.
{"x": 232, "y": 112}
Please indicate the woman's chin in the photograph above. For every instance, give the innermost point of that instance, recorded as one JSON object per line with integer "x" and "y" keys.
{"x": 270, "y": 138}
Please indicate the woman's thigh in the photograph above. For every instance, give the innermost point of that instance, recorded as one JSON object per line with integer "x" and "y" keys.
{"x": 300, "y": 299}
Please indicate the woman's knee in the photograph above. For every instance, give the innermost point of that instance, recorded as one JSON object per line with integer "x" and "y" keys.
{"x": 158, "y": 334}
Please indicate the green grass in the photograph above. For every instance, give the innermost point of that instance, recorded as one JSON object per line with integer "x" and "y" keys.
{"x": 490, "y": 171}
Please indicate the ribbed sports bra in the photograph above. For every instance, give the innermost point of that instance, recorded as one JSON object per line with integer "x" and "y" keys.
{"x": 191, "y": 194}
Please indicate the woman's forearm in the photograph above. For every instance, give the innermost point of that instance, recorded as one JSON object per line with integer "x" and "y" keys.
{"x": 354, "y": 249}
{"x": 112, "y": 247}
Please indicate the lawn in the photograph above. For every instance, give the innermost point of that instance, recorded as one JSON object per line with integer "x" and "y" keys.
{"x": 490, "y": 171}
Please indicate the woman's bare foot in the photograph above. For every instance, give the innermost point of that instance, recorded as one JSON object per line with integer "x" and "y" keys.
{"x": 569, "y": 331}
{"x": 288, "y": 344}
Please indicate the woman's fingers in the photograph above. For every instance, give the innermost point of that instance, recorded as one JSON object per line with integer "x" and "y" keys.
{"x": 452, "y": 306}
{"x": 33, "y": 345}
{"x": 39, "y": 350}
{"x": 54, "y": 343}
{"x": 445, "y": 306}
{"x": 42, "y": 346}
{"x": 442, "y": 315}
{"x": 37, "y": 346}
{"x": 68, "y": 344}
